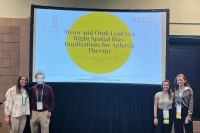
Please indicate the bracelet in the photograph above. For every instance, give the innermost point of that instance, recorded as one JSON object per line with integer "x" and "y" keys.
{"x": 155, "y": 117}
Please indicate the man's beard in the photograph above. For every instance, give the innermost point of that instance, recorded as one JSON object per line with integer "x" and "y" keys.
{"x": 40, "y": 82}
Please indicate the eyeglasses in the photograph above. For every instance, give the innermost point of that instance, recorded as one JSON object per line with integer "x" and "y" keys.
{"x": 40, "y": 78}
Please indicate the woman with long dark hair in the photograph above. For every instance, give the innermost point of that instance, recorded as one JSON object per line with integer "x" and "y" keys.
{"x": 17, "y": 105}
{"x": 163, "y": 115}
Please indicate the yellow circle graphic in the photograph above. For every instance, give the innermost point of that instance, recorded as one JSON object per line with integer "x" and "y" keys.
{"x": 99, "y": 42}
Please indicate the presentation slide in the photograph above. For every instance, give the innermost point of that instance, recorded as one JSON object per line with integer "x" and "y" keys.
{"x": 99, "y": 46}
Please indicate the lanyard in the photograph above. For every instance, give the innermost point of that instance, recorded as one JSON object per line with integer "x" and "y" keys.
{"x": 167, "y": 106}
{"x": 37, "y": 94}
{"x": 24, "y": 98}
{"x": 177, "y": 96}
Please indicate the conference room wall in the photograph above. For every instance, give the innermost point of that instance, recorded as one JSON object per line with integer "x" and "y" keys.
{"x": 182, "y": 12}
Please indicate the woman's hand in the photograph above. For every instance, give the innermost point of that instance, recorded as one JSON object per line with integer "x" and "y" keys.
{"x": 6, "y": 119}
{"x": 186, "y": 121}
{"x": 155, "y": 121}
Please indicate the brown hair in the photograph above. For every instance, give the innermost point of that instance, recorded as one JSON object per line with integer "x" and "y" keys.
{"x": 170, "y": 87}
{"x": 183, "y": 76}
{"x": 18, "y": 85}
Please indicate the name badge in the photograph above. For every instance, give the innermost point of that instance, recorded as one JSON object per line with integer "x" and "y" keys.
{"x": 39, "y": 105}
{"x": 23, "y": 109}
{"x": 178, "y": 112}
{"x": 166, "y": 116}
{"x": 165, "y": 113}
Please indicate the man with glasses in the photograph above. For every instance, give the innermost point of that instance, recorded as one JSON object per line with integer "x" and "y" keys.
{"x": 41, "y": 103}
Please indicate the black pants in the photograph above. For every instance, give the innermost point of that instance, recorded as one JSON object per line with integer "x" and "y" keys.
{"x": 161, "y": 127}
{"x": 178, "y": 123}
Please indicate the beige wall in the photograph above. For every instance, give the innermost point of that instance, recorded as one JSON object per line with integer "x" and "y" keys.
{"x": 21, "y": 8}
{"x": 14, "y": 56}
{"x": 181, "y": 11}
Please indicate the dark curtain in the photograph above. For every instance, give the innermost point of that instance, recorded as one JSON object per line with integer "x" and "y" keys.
{"x": 184, "y": 57}
{"x": 102, "y": 108}
{"x": 98, "y": 108}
